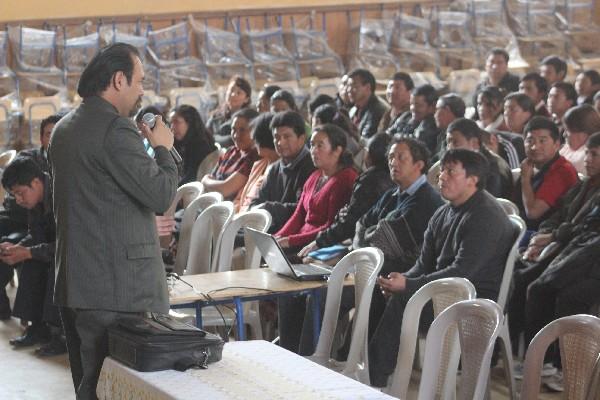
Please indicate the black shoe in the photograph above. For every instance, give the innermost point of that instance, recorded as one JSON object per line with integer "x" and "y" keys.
{"x": 33, "y": 335}
{"x": 55, "y": 347}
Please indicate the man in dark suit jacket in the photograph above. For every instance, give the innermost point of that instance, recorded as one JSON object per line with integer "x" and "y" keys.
{"x": 368, "y": 109}
{"x": 106, "y": 193}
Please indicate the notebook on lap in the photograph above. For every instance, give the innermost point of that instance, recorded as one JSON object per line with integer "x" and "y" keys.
{"x": 278, "y": 261}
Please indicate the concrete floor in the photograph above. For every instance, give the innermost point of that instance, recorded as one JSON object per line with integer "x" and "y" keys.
{"x": 23, "y": 376}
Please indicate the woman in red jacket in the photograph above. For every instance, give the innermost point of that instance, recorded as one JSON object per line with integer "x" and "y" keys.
{"x": 326, "y": 191}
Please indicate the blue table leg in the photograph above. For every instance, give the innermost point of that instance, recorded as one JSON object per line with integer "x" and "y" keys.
{"x": 316, "y": 293}
{"x": 239, "y": 317}
{"x": 198, "y": 315}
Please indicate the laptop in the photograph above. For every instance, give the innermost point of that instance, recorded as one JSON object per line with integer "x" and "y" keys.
{"x": 278, "y": 261}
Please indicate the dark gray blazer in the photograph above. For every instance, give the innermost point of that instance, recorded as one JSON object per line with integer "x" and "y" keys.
{"x": 106, "y": 193}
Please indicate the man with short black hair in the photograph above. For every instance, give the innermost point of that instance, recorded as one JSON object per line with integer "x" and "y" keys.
{"x": 368, "y": 109}
{"x": 282, "y": 186}
{"x": 553, "y": 69}
{"x": 419, "y": 123}
{"x": 452, "y": 247}
{"x": 40, "y": 155}
{"x": 536, "y": 88}
{"x": 448, "y": 108}
{"x": 398, "y": 96}
{"x": 497, "y": 75}
{"x": 561, "y": 97}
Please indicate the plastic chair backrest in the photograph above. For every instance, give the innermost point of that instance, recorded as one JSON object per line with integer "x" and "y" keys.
{"x": 443, "y": 293}
{"x": 256, "y": 219}
{"x": 186, "y": 193}
{"x": 190, "y": 213}
{"x": 519, "y": 230}
{"x": 38, "y": 108}
{"x": 207, "y": 165}
{"x": 170, "y": 43}
{"x": 7, "y": 157}
{"x": 579, "y": 340}
{"x": 34, "y": 49}
{"x": 206, "y": 237}
{"x": 509, "y": 207}
{"x": 366, "y": 263}
{"x": 478, "y": 323}
{"x": 594, "y": 385}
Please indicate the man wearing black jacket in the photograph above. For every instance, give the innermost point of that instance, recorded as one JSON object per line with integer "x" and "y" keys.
{"x": 368, "y": 109}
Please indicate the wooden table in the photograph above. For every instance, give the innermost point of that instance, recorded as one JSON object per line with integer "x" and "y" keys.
{"x": 240, "y": 286}
{"x": 249, "y": 370}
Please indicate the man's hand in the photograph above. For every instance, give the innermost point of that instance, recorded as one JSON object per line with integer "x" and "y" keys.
{"x": 395, "y": 282}
{"x": 165, "y": 225}
{"x": 160, "y": 135}
{"x": 15, "y": 254}
{"x": 312, "y": 246}
{"x": 536, "y": 245}
{"x": 526, "y": 170}
{"x": 284, "y": 242}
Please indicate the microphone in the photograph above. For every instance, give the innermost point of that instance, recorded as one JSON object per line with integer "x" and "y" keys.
{"x": 150, "y": 120}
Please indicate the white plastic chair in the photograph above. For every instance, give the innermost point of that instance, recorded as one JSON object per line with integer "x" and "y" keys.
{"x": 186, "y": 193}
{"x": 579, "y": 340}
{"x": 190, "y": 213}
{"x": 509, "y": 207}
{"x": 206, "y": 237}
{"x": 366, "y": 264}
{"x": 256, "y": 219}
{"x": 5, "y": 122}
{"x": 6, "y": 157}
{"x": 443, "y": 293}
{"x": 477, "y": 324}
{"x": 507, "y": 361}
{"x": 209, "y": 162}
{"x": 594, "y": 386}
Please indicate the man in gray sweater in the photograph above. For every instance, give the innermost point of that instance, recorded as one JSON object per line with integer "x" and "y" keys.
{"x": 469, "y": 237}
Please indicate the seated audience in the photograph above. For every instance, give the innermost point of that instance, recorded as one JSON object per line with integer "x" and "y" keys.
{"x": 192, "y": 141}
{"x": 263, "y": 139}
{"x": 553, "y": 69}
{"x": 465, "y": 134}
{"x": 537, "y": 193}
{"x": 282, "y": 186}
{"x": 398, "y": 96}
{"x": 419, "y": 123}
{"x": 320, "y": 100}
{"x": 325, "y": 192}
{"x": 580, "y": 122}
{"x": 368, "y": 188}
{"x": 237, "y": 96}
{"x": 263, "y": 104}
{"x": 597, "y": 101}
{"x": 233, "y": 169}
{"x": 31, "y": 189}
{"x": 536, "y": 88}
{"x": 342, "y": 98}
{"x": 40, "y": 156}
{"x": 518, "y": 110}
{"x": 448, "y": 108}
{"x": 469, "y": 237}
{"x": 565, "y": 280}
{"x": 282, "y": 100}
{"x": 329, "y": 114}
{"x": 368, "y": 109}
{"x": 561, "y": 97}
{"x": 497, "y": 75}
{"x": 587, "y": 85}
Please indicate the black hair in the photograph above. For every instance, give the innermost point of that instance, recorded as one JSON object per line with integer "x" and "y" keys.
{"x": 522, "y": 101}
{"x": 583, "y": 119}
{"x": 196, "y": 128}
{"x": 244, "y": 85}
{"x": 498, "y": 51}
{"x": 404, "y": 77}
{"x": 540, "y": 83}
{"x": 291, "y": 119}
{"x": 366, "y": 77}
{"x": 455, "y": 104}
{"x": 269, "y": 90}
{"x": 330, "y": 114}
{"x": 492, "y": 94}
{"x": 337, "y": 138}
{"x": 474, "y": 163}
{"x": 428, "y": 92}
{"x": 568, "y": 89}
{"x": 53, "y": 119}
{"x": 593, "y": 140}
{"x": 261, "y": 130}
{"x": 21, "y": 171}
{"x": 319, "y": 101}
{"x": 559, "y": 65}
{"x": 98, "y": 74}
{"x": 377, "y": 147}
{"x": 466, "y": 127}
{"x": 544, "y": 123}
{"x": 592, "y": 75}
{"x": 597, "y": 96}
{"x": 247, "y": 113}
{"x": 286, "y": 96}
{"x": 418, "y": 150}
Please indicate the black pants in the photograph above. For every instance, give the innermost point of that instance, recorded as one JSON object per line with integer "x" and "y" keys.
{"x": 31, "y": 294}
{"x": 384, "y": 345}
{"x": 87, "y": 342}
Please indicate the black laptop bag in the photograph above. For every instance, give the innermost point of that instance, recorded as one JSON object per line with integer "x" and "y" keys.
{"x": 160, "y": 342}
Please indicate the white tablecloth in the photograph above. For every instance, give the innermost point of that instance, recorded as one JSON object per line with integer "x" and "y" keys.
{"x": 248, "y": 370}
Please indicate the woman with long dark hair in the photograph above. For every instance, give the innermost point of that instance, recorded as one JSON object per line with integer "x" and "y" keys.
{"x": 237, "y": 96}
{"x": 192, "y": 140}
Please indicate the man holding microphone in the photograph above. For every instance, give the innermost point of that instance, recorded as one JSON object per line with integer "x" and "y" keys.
{"x": 107, "y": 190}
